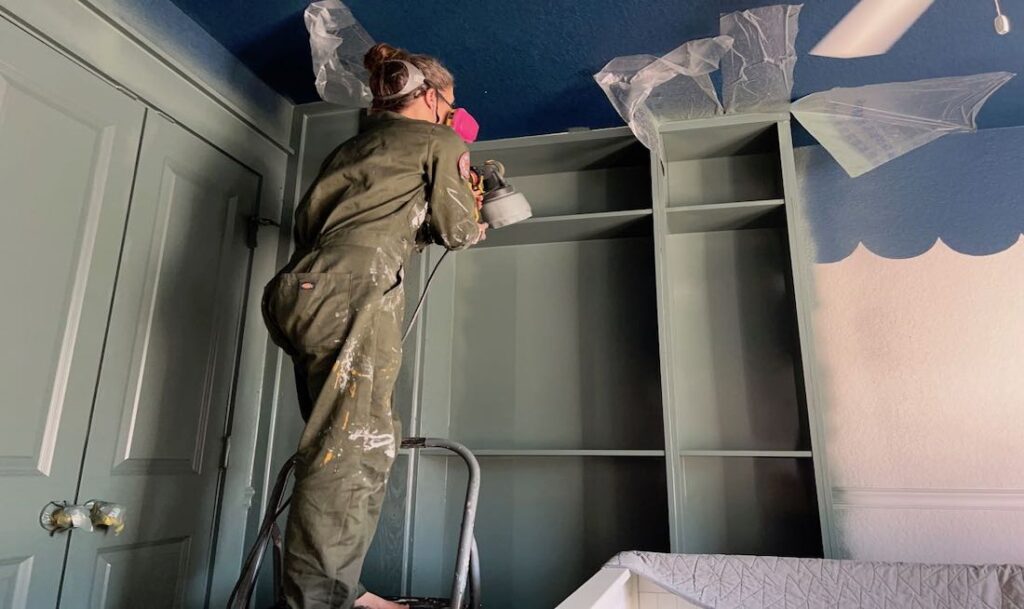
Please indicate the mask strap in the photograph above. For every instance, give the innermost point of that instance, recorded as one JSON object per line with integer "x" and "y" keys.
{"x": 415, "y": 80}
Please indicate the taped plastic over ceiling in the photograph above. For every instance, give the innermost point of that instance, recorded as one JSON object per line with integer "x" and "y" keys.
{"x": 864, "y": 127}
{"x": 338, "y": 42}
{"x": 757, "y": 73}
{"x": 646, "y": 90}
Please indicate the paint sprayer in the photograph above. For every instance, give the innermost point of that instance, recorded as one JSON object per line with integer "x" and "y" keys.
{"x": 503, "y": 204}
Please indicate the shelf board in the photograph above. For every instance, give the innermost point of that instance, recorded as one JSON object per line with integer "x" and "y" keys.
{"x": 720, "y": 136}
{"x": 752, "y": 119}
{"x": 578, "y": 227}
{"x": 501, "y": 452}
{"x": 769, "y": 454}
{"x": 725, "y": 216}
{"x": 562, "y": 152}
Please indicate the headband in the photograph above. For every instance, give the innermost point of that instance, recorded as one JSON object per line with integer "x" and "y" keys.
{"x": 415, "y": 81}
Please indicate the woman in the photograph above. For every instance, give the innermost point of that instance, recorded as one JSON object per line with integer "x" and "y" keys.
{"x": 337, "y": 309}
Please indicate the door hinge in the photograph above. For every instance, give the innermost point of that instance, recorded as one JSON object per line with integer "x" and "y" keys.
{"x": 253, "y": 235}
{"x": 225, "y": 451}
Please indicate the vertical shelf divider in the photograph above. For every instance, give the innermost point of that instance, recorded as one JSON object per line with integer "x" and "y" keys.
{"x": 659, "y": 196}
{"x": 803, "y": 297}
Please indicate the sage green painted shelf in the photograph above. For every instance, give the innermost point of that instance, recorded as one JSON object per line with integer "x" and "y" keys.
{"x": 580, "y": 227}
{"x": 549, "y": 523}
{"x": 720, "y": 137}
{"x": 482, "y": 453}
{"x": 757, "y": 454}
{"x": 726, "y": 216}
{"x": 749, "y": 506}
{"x": 735, "y": 394}
{"x": 564, "y": 152}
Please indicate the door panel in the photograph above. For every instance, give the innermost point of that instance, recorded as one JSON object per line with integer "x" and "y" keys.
{"x": 116, "y": 582}
{"x": 68, "y": 146}
{"x": 167, "y": 377}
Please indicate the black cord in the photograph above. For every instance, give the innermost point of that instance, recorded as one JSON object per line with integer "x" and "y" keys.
{"x": 423, "y": 297}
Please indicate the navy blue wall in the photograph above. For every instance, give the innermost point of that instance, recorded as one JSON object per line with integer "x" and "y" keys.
{"x": 525, "y": 67}
{"x": 967, "y": 190}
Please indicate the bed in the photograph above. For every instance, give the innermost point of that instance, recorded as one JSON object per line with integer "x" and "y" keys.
{"x": 642, "y": 580}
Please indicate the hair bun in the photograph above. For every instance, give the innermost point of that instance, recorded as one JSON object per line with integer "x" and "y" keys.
{"x": 379, "y": 53}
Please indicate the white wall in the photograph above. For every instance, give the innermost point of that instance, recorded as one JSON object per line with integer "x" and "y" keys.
{"x": 920, "y": 351}
{"x": 924, "y": 374}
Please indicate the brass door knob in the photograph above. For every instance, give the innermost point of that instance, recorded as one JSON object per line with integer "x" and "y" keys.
{"x": 106, "y": 516}
{"x": 61, "y": 516}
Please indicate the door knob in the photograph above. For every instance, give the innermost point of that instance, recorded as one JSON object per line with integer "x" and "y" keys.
{"x": 60, "y": 516}
{"x": 106, "y": 515}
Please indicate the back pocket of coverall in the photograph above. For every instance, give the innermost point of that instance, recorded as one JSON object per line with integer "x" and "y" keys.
{"x": 311, "y": 310}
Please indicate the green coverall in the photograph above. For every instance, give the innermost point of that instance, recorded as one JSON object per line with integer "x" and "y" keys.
{"x": 337, "y": 310}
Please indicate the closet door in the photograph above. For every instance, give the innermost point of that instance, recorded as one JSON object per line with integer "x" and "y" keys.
{"x": 167, "y": 380}
{"x": 68, "y": 146}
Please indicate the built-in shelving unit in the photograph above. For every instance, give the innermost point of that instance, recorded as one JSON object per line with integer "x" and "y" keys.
{"x": 735, "y": 405}
{"x": 626, "y": 365}
{"x": 543, "y": 358}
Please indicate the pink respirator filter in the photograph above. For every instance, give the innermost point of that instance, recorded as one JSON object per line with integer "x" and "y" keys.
{"x": 465, "y": 125}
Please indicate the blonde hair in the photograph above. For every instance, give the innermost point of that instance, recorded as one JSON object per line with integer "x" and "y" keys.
{"x": 388, "y": 76}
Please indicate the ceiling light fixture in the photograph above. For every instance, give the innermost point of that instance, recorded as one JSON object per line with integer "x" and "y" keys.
{"x": 1002, "y": 22}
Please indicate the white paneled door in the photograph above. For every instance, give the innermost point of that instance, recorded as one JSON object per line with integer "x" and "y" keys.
{"x": 124, "y": 266}
{"x": 68, "y": 147}
{"x": 167, "y": 379}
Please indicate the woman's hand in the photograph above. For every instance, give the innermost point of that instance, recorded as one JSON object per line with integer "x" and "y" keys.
{"x": 483, "y": 232}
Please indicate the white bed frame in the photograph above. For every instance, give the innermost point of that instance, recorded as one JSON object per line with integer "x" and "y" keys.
{"x": 618, "y": 588}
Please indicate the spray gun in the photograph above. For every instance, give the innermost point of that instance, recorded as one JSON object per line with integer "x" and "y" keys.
{"x": 503, "y": 204}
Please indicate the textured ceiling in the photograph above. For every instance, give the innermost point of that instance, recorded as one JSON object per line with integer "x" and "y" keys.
{"x": 525, "y": 67}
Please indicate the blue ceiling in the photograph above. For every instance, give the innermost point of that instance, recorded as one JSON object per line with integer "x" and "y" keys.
{"x": 525, "y": 67}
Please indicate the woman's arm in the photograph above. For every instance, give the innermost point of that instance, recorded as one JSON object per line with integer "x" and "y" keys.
{"x": 454, "y": 215}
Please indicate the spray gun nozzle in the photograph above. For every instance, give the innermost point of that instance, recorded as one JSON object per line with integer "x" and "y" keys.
{"x": 502, "y": 203}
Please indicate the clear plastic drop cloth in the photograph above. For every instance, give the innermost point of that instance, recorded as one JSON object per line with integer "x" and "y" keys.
{"x": 863, "y": 127}
{"x": 338, "y": 42}
{"x": 757, "y": 73}
{"x": 617, "y": 78}
{"x": 646, "y": 90}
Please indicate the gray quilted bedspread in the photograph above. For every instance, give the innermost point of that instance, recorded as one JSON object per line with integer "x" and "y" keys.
{"x": 760, "y": 582}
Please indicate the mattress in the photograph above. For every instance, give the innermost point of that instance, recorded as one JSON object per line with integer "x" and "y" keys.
{"x": 760, "y": 582}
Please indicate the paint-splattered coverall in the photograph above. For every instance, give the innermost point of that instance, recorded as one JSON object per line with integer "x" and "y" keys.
{"x": 337, "y": 310}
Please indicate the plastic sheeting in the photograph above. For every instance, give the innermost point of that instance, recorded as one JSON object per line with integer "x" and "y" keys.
{"x": 338, "y": 42}
{"x": 863, "y": 127}
{"x": 645, "y": 89}
{"x": 757, "y": 73}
